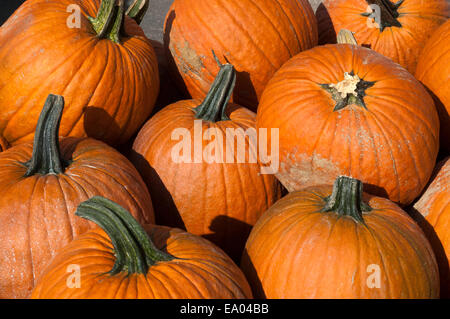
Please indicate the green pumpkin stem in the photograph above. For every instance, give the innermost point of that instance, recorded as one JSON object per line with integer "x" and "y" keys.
{"x": 347, "y": 199}
{"x": 213, "y": 108}
{"x": 388, "y": 13}
{"x": 109, "y": 22}
{"x": 46, "y": 158}
{"x": 135, "y": 252}
{"x": 137, "y": 10}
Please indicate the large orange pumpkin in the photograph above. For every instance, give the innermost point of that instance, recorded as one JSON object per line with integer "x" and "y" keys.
{"x": 41, "y": 186}
{"x": 256, "y": 36}
{"x": 399, "y": 31}
{"x": 434, "y": 205}
{"x": 433, "y": 70}
{"x": 124, "y": 261}
{"x": 109, "y": 80}
{"x": 214, "y": 196}
{"x": 344, "y": 109}
{"x": 336, "y": 242}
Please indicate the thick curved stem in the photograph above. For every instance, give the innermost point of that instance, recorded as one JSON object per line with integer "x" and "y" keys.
{"x": 134, "y": 251}
{"x": 347, "y": 199}
{"x": 109, "y": 22}
{"x": 213, "y": 108}
{"x": 46, "y": 158}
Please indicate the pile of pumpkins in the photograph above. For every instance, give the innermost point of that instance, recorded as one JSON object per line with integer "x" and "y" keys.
{"x": 355, "y": 99}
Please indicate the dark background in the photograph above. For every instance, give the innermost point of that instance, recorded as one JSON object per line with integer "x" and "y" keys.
{"x": 152, "y": 23}
{"x": 7, "y": 7}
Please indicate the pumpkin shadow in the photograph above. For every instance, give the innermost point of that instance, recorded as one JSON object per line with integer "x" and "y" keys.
{"x": 159, "y": 238}
{"x": 252, "y": 276}
{"x": 169, "y": 92}
{"x": 444, "y": 133}
{"x": 98, "y": 124}
{"x": 245, "y": 94}
{"x": 166, "y": 212}
{"x": 68, "y": 146}
{"x": 327, "y": 33}
{"x": 230, "y": 234}
{"x": 375, "y": 190}
{"x": 172, "y": 69}
{"x": 438, "y": 249}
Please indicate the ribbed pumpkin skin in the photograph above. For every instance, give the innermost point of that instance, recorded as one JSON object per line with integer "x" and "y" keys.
{"x": 419, "y": 19}
{"x": 433, "y": 70}
{"x": 374, "y": 145}
{"x": 37, "y": 213}
{"x": 218, "y": 201}
{"x": 202, "y": 271}
{"x": 256, "y": 36}
{"x": 109, "y": 89}
{"x": 296, "y": 251}
{"x": 434, "y": 205}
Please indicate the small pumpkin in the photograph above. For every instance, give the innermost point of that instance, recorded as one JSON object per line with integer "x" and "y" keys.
{"x": 256, "y": 36}
{"x": 341, "y": 109}
{"x": 335, "y": 242}
{"x": 209, "y": 195}
{"x": 434, "y": 206}
{"x": 105, "y": 68}
{"x": 396, "y": 29}
{"x": 122, "y": 260}
{"x": 433, "y": 70}
{"x": 41, "y": 186}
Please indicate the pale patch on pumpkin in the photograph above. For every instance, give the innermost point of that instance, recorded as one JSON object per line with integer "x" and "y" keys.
{"x": 302, "y": 170}
{"x": 439, "y": 185}
{"x": 191, "y": 61}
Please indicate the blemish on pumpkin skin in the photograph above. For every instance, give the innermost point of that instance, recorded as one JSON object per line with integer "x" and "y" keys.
{"x": 191, "y": 61}
{"x": 299, "y": 171}
{"x": 439, "y": 185}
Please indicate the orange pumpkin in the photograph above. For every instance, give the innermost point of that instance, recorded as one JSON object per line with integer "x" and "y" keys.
{"x": 41, "y": 186}
{"x": 256, "y": 36}
{"x": 211, "y": 195}
{"x": 336, "y": 242}
{"x": 124, "y": 261}
{"x": 398, "y": 30}
{"x": 433, "y": 70}
{"x": 344, "y": 109}
{"x": 434, "y": 206}
{"x": 109, "y": 80}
